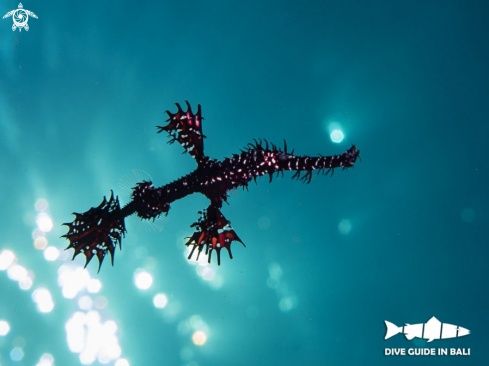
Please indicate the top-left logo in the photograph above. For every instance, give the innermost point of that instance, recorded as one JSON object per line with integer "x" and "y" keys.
{"x": 20, "y": 17}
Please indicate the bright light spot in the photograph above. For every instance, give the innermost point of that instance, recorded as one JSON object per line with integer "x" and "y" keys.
{"x": 41, "y": 204}
{"x": 90, "y": 338}
{"x": 335, "y": 131}
{"x": 87, "y": 358}
{"x": 200, "y": 328}
{"x": 468, "y": 215}
{"x": 51, "y": 253}
{"x": 46, "y": 360}
{"x": 336, "y": 136}
{"x": 76, "y": 332}
{"x": 4, "y": 328}
{"x": 16, "y": 272}
{"x": 287, "y": 303}
{"x": 16, "y": 354}
{"x": 44, "y": 222}
{"x": 160, "y": 300}
{"x": 85, "y": 303}
{"x": 72, "y": 280}
{"x": 94, "y": 286}
{"x": 42, "y": 297}
{"x": 7, "y": 257}
{"x": 199, "y": 338}
{"x": 110, "y": 326}
{"x": 26, "y": 282}
{"x": 142, "y": 279}
{"x": 344, "y": 226}
{"x": 40, "y": 243}
{"x": 121, "y": 362}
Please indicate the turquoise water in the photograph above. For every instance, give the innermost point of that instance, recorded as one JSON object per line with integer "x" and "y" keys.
{"x": 401, "y": 237}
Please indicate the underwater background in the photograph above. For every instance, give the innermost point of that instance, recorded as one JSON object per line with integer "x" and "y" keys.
{"x": 401, "y": 237}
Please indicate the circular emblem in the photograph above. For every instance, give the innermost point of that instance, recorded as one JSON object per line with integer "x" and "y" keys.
{"x": 20, "y": 18}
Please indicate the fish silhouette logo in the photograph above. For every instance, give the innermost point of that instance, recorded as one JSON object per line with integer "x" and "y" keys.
{"x": 430, "y": 330}
{"x": 20, "y": 17}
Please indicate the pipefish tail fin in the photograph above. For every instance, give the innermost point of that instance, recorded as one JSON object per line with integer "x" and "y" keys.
{"x": 97, "y": 231}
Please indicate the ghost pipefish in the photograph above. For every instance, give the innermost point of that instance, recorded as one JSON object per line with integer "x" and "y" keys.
{"x": 97, "y": 231}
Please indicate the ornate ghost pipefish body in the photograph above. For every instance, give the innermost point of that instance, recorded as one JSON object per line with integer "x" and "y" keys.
{"x": 97, "y": 231}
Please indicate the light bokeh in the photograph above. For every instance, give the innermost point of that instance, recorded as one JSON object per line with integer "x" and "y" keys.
{"x": 160, "y": 300}
{"x": 51, "y": 253}
{"x": 335, "y": 131}
{"x": 4, "y": 328}
{"x": 94, "y": 285}
{"x": 41, "y": 204}
{"x": 122, "y": 362}
{"x": 72, "y": 279}
{"x": 336, "y": 136}
{"x": 91, "y": 338}
{"x": 287, "y": 299}
{"x": 7, "y": 257}
{"x": 43, "y": 299}
{"x": 44, "y": 222}
{"x": 46, "y": 359}
{"x": 143, "y": 279}
{"x": 199, "y": 338}
{"x": 344, "y": 227}
{"x": 16, "y": 354}
{"x": 40, "y": 242}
